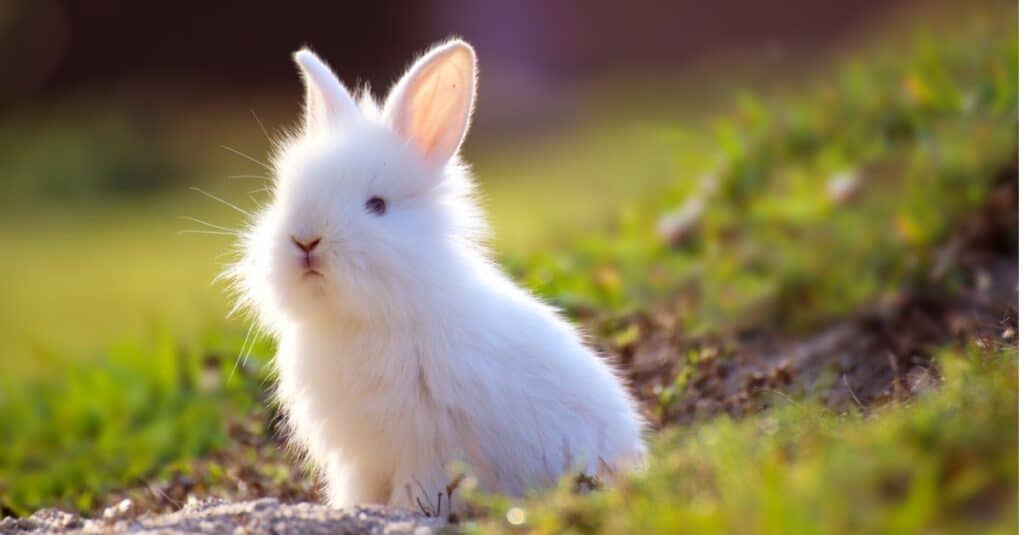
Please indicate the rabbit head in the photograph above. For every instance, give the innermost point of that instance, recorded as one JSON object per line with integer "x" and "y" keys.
{"x": 366, "y": 198}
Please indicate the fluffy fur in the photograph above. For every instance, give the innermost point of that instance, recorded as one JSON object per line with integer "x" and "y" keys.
{"x": 408, "y": 351}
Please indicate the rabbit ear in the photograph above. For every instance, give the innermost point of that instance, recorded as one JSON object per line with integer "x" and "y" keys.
{"x": 328, "y": 103}
{"x": 432, "y": 103}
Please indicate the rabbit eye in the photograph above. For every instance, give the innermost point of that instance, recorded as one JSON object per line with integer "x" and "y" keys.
{"x": 376, "y": 206}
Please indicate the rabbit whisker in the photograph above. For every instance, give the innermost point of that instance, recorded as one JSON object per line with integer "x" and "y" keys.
{"x": 243, "y": 355}
{"x": 204, "y": 231}
{"x": 222, "y": 201}
{"x": 207, "y": 223}
{"x": 247, "y": 157}
{"x": 239, "y": 304}
{"x": 262, "y": 128}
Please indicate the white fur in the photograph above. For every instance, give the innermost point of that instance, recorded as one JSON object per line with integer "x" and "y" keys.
{"x": 414, "y": 351}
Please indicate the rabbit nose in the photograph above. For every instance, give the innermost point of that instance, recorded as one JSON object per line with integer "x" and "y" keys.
{"x": 307, "y": 245}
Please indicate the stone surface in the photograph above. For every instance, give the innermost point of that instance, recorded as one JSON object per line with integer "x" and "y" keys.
{"x": 256, "y": 516}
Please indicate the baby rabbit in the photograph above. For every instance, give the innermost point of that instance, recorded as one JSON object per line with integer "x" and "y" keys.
{"x": 402, "y": 347}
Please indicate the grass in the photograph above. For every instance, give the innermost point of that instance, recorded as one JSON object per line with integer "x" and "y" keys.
{"x": 922, "y": 135}
{"x": 108, "y": 279}
{"x": 113, "y": 422}
{"x": 945, "y": 463}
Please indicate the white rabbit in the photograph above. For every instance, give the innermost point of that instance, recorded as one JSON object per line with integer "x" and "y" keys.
{"x": 402, "y": 348}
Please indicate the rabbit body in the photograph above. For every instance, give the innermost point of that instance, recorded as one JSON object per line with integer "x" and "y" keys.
{"x": 404, "y": 353}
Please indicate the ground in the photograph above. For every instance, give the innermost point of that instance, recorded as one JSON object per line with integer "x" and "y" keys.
{"x": 258, "y": 516}
{"x": 819, "y": 318}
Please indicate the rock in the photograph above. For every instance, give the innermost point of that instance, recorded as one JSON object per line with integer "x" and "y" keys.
{"x": 843, "y": 187}
{"x": 681, "y": 226}
{"x": 266, "y": 515}
{"x": 121, "y": 509}
{"x": 920, "y": 379}
{"x": 43, "y": 521}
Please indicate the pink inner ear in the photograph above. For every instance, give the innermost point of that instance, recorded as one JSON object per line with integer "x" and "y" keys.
{"x": 438, "y": 103}
{"x": 431, "y": 106}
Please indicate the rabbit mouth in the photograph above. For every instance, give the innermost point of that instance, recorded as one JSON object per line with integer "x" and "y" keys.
{"x": 312, "y": 274}
{"x": 309, "y": 266}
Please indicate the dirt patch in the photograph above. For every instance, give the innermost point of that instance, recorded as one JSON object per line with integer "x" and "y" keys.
{"x": 880, "y": 354}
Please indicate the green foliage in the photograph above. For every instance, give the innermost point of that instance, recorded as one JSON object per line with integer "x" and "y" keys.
{"x": 112, "y": 422}
{"x": 945, "y": 463}
{"x": 911, "y": 142}
{"x": 60, "y": 159}
{"x": 821, "y": 202}
{"x": 923, "y": 136}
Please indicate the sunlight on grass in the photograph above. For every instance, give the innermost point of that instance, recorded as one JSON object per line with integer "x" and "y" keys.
{"x": 946, "y": 463}
{"x": 89, "y": 275}
{"x": 922, "y": 135}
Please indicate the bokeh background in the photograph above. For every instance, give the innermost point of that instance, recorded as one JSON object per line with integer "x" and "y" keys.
{"x": 779, "y": 167}
{"x": 111, "y": 110}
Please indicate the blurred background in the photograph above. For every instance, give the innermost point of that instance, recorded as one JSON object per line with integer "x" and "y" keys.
{"x": 110, "y": 110}
{"x": 757, "y": 165}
